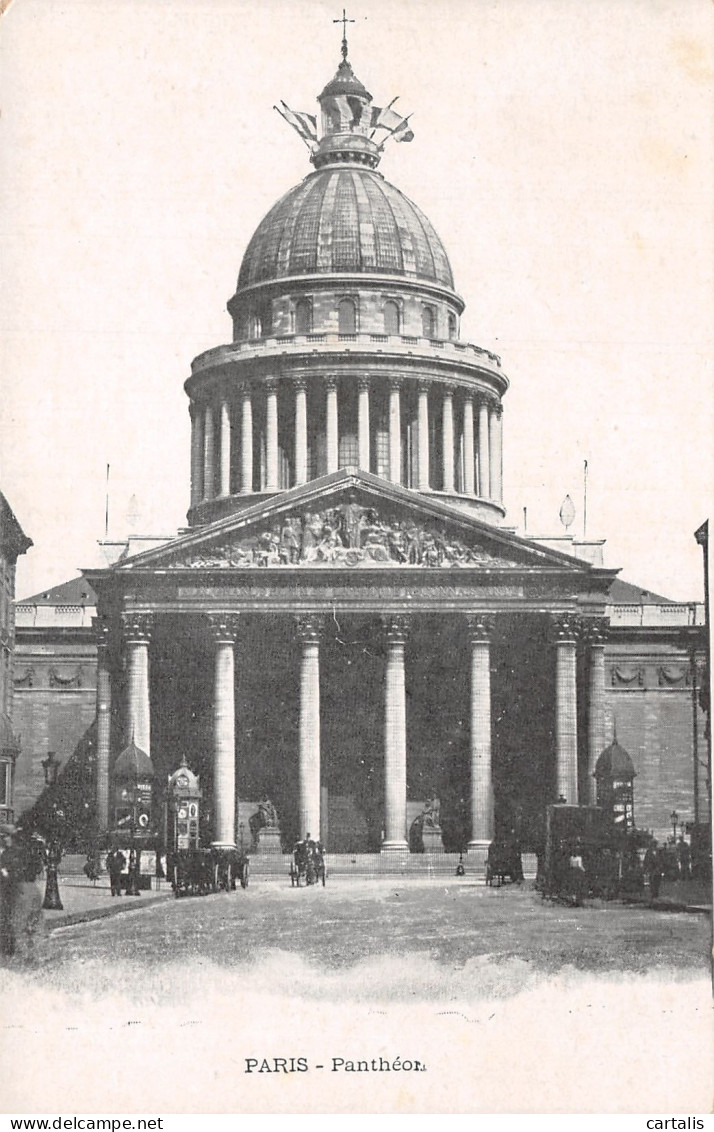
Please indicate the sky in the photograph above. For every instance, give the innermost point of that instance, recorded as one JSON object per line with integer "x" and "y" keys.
{"x": 563, "y": 151}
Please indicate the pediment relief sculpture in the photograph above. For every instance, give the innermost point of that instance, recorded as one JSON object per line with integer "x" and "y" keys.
{"x": 345, "y": 535}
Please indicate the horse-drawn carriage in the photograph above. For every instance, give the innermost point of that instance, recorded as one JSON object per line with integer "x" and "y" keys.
{"x": 504, "y": 860}
{"x": 584, "y": 857}
{"x": 308, "y": 863}
{"x": 196, "y": 872}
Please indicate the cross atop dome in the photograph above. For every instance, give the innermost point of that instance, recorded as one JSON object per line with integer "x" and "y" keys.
{"x": 344, "y": 21}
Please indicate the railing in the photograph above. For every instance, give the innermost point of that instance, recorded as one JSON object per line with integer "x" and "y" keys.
{"x": 51, "y": 616}
{"x": 654, "y": 615}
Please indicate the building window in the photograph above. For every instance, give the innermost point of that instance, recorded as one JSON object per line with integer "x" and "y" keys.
{"x": 453, "y": 332}
{"x": 5, "y": 783}
{"x": 266, "y": 319}
{"x": 255, "y": 328}
{"x": 428, "y": 322}
{"x": 303, "y": 316}
{"x": 391, "y": 317}
{"x": 347, "y": 317}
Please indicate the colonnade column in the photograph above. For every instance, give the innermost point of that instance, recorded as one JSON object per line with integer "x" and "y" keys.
{"x": 104, "y": 720}
{"x": 483, "y": 450}
{"x": 196, "y": 454}
{"x": 480, "y": 628}
{"x": 395, "y": 430}
{"x": 246, "y": 447}
{"x": 423, "y": 436}
{"x": 469, "y": 451}
{"x": 566, "y": 718}
{"x": 363, "y": 423}
{"x": 331, "y": 425}
{"x": 596, "y": 637}
{"x": 209, "y": 454}
{"x": 137, "y": 634}
{"x": 225, "y": 474}
{"x": 224, "y": 628}
{"x": 447, "y": 424}
{"x": 395, "y": 737}
{"x": 271, "y": 435}
{"x": 300, "y": 386}
{"x": 309, "y": 630}
{"x": 495, "y": 438}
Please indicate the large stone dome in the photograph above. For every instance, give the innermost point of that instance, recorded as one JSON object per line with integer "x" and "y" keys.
{"x": 345, "y": 219}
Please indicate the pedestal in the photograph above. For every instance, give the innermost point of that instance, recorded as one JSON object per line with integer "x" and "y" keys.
{"x": 268, "y": 840}
{"x": 432, "y": 840}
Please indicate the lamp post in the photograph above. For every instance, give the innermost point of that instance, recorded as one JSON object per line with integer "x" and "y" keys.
{"x": 52, "y": 901}
{"x": 674, "y": 818}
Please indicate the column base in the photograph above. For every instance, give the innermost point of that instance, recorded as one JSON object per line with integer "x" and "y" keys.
{"x": 223, "y": 845}
{"x": 394, "y": 847}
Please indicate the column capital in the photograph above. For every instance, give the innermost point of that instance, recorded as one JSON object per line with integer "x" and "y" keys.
{"x": 595, "y": 630}
{"x": 364, "y": 382}
{"x": 137, "y": 627}
{"x": 244, "y": 388}
{"x": 271, "y": 385}
{"x": 396, "y": 381}
{"x": 299, "y": 382}
{"x": 423, "y": 385}
{"x": 565, "y": 628}
{"x": 496, "y": 407}
{"x": 448, "y": 388}
{"x": 101, "y": 629}
{"x": 396, "y": 628}
{"x": 331, "y": 383}
{"x": 224, "y": 627}
{"x": 310, "y": 627}
{"x": 480, "y": 627}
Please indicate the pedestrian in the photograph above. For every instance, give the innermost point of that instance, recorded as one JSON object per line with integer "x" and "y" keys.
{"x": 115, "y": 866}
{"x": 684, "y": 859}
{"x": 21, "y": 921}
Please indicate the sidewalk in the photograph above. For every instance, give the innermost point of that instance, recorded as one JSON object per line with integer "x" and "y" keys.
{"x": 83, "y": 901}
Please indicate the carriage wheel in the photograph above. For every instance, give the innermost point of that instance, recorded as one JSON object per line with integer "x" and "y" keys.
{"x": 245, "y": 873}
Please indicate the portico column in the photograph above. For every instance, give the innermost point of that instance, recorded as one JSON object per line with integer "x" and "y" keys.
{"x": 495, "y": 435}
{"x": 448, "y": 436}
{"x": 596, "y": 637}
{"x": 395, "y": 430}
{"x": 196, "y": 454}
{"x": 209, "y": 454}
{"x": 271, "y": 435}
{"x": 224, "y": 628}
{"x": 137, "y": 633}
{"x": 469, "y": 453}
{"x": 309, "y": 629}
{"x": 363, "y": 444}
{"x": 246, "y": 474}
{"x": 423, "y": 436}
{"x": 395, "y": 738}
{"x": 480, "y": 628}
{"x": 300, "y": 386}
{"x": 225, "y": 485}
{"x": 331, "y": 425}
{"x": 483, "y": 453}
{"x": 104, "y": 719}
{"x": 566, "y": 726}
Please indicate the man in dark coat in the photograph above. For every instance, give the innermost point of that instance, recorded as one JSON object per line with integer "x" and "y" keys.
{"x": 115, "y": 867}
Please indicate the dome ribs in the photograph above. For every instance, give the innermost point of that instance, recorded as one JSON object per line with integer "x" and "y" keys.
{"x": 442, "y": 267}
{"x": 303, "y": 246}
{"x": 286, "y": 229}
{"x": 346, "y": 231}
{"x": 387, "y": 244}
{"x": 328, "y": 220}
{"x": 366, "y": 225}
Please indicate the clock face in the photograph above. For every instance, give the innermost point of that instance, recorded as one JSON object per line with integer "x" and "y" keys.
{"x": 182, "y": 780}
{"x": 183, "y": 812}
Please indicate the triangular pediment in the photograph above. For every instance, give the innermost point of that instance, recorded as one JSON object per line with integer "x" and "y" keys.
{"x": 355, "y": 521}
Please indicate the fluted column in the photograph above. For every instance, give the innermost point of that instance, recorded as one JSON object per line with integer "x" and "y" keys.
{"x": 331, "y": 425}
{"x": 300, "y": 386}
{"x": 246, "y": 453}
{"x": 363, "y": 444}
{"x": 196, "y": 454}
{"x": 480, "y": 628}
{"x": 209, "y": 454}
{"x": 309, "y": 629}
{"x": 566, "y": 725}
{"x": 271, "y": 435}
{"x": 137, "y": 633}
{"x": 104, "y": 721}
{"x": 483, "y": 450}
{"x": 423, "y": 436}
{"x": 395, "y": 430}
{"x": 447, "y": 425}
{"x": 225, "y": 476}
{"x": 395, "y": 738}
{"x": 469, "y": 451}
{"x": 495, "y": 434}
{"x": 224, "y": 628}
{"x": 596, "y": 637}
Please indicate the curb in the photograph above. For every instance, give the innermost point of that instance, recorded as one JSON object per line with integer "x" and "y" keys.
{"x": 103, "y": 913}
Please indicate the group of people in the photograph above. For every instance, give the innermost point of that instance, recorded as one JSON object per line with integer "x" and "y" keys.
{"x": 672, "y": 861}
{"x": 22, "y": 858}
{"x": 309, "y": 858}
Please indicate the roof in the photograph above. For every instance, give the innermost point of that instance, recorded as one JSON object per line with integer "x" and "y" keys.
{"x": 133, "y": 763}
{"x": 625, "y": 593}
{"x": 77, "y": 591}
{"x": 614, "y": 762}
{"x": 13, "y": 540}
{"x": 345, "y": 219}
